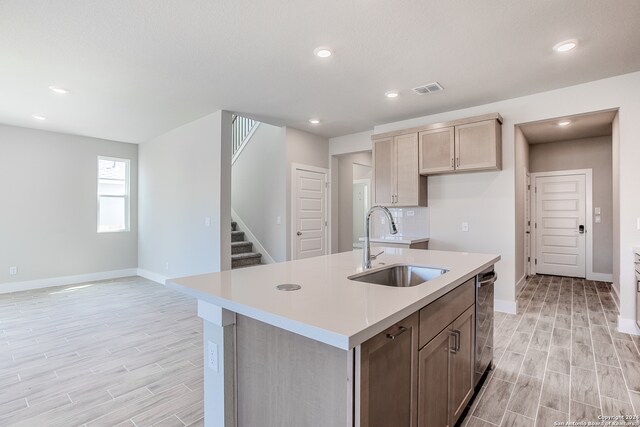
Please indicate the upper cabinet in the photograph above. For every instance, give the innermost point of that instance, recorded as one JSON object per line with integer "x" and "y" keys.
{"x": 473, "y": 146}
{"x": 465, "y": 145}
{"x": 396, "y": 178}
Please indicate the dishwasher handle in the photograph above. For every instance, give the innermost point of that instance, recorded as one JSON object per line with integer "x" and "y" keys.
{"x": 488, "y": 279}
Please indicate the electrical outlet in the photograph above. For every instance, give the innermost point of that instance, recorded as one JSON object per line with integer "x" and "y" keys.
{"x": 278, "y": 220}
{"x": 213, "y": 356}
{"x": 411, "y": 213}
{"x": 465, "y": 226}
{"x": 598, "y": 219}
{"x": 13, "y": 271}
{"x": 207, "y": 221}
{"x": 166, "y": 266}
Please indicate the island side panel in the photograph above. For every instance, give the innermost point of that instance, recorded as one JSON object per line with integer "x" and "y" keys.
{"x": 219, "y": 379}
{"x": 284, "y": 379}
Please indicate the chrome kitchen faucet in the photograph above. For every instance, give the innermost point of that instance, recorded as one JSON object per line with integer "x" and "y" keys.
{"x": 366, "y": 250}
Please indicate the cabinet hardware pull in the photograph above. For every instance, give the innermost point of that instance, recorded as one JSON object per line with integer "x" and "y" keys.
{"x": 458, "y": 161}
{"x": 401, "y": 329}
{"x": 452, "y": 162}
{"x": 456, "y": 346}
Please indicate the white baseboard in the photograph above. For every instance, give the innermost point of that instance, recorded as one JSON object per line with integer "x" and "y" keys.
{"x": 65, "y": 280}
{"x": 600, "y": 277}
{"x": 266, "y": 258}
{"x": 154, "y": 277}
{"x": 521, "y": 283}
{"x": 504, "y": 306}
{"x": 628, "y": 326}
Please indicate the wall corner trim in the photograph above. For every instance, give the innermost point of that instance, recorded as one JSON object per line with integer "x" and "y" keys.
{"x": 154, "y": 277}
{"x": 628, "y": 326}
{"x": 504, "y": 306}
{"x": 65, "y": 280}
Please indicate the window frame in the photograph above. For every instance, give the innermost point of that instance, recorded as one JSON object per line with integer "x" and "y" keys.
{"x": 126, "y": 196}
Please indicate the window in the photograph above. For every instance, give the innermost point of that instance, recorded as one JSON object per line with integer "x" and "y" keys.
{"x": 113, "y": 194}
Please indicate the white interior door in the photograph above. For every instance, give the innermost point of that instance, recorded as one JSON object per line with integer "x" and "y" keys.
{"x": 560, "y": 220}
{"x": 310, "y": 214}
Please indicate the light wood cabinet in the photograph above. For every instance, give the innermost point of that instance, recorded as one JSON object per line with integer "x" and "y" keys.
{"x": 445, "y": 367}
{"x": 420, "y": 372}
{"x": 478, "y": 146}
{"x": 474, "y": 146}
{"x": 388, "y": 383}
{"x": 437, "y": 150}
{"x": 396, "y": 178}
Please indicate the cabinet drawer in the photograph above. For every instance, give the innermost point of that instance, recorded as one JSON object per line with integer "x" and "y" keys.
{"x": 440, "y": 313}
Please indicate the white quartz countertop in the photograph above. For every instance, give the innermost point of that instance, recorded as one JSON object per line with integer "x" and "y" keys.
{"x": 408, "y": 240}
{"x": 330, "y": 308}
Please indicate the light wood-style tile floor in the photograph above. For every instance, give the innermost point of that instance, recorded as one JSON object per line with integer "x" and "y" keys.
{"x": 125, "y": 352}
{"x": 559, "y": 359}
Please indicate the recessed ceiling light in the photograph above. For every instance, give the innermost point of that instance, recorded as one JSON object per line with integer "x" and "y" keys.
{"x": 314, "y": 121}
{"x": 323, "y": 52}
{"x": 564, "y": 123}
{"x": 391, "y": 94}
{"x": 57, "y": 89}
{"x": 565, "y": 46}
{"x": 38, "y": 117}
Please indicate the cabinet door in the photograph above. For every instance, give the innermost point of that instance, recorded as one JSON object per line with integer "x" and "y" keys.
{"x": 462, "y": 362}
{"x": 388, "y": 376}
{"x": 384, "y": 160}
{"x": 408, "y": 177}
{"x": 478, "y": 146}
{"x": 436, "y": 150}
{"x": 433, "y": 381}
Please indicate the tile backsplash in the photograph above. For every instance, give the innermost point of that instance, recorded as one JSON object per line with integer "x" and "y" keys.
{"x": 413, "y": 222}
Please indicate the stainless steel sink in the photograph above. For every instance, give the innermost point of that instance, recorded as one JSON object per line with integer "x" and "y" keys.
{"x": 400, "y": 276}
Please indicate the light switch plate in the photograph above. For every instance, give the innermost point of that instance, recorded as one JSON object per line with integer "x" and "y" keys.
{"x": 596, "y": 211}
{"x": 278, "y": 220}
{"x": 207, "y": 221}
{"x": 465, "y": 226}
{"x": 598, "y": 219}
{"x": 13, "y": 271}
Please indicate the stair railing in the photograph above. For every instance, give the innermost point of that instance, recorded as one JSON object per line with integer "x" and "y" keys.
{"x": 241, "y": 130}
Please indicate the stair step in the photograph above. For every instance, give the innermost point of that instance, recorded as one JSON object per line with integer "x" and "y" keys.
{"x": 241, "y": 247}
{"x": 234, "y": 226}
{"x": 237, "y": 236}
{"x": 245, "y": 259}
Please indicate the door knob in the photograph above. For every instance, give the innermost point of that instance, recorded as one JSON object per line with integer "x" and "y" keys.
{"x": 299, "y": 233}
{"x": 581, "y": 229}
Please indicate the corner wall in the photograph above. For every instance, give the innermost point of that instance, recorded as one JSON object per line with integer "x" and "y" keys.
{"x": 185, "y": 177}
{"x": 48, "y": 220}
{"x": 258, "y": 189}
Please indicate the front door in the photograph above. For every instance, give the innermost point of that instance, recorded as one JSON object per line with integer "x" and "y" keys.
{"x": 560, "y": 225}
{"x": 310, "y": 214}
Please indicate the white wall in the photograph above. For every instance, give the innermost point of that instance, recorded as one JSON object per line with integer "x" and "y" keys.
{"x": 185, "y": 177}
{"x": 258, "y": 188}
{"x": 486, "y": 200}
{"x": 351, "y": 143}
{"x": 48, "y": 219}
{"x": 307, "y": 149}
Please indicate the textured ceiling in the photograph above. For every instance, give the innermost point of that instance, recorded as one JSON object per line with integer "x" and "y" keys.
{"x": 587, "y": 125}
{"x": 138, "y": 68}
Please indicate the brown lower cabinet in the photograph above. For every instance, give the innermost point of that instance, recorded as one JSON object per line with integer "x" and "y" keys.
{"x": 403, "y": 385}
{"x": 388, "y": 381}
{"x": 445, "y": 369}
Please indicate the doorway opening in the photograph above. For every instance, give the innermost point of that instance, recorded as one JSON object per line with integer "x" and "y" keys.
{"x": 565, "y": 207}
{"x": 361, "y": 200}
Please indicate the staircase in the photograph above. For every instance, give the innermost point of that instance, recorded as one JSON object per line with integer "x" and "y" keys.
{"x": 241, "y": 250}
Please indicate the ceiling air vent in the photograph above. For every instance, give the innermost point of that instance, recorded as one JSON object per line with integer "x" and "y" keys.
{"x": 428, "y": 88}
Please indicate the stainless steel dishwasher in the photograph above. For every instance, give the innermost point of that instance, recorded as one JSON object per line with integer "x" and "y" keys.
{"x": 484, "y": 321}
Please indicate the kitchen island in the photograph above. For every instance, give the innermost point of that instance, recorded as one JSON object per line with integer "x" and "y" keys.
{"x": 292, "y": 358}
